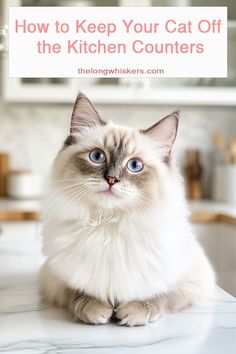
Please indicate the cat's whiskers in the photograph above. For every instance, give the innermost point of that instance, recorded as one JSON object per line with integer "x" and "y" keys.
{"x": 137, "y": 200}
{"x": 77, "y": 195}
{"x": 140, "y": 207}
{"x": 80, "y": 190}
{"x": 140, "y": 194}
{"x": 57, "y": 195}
{"x": 67, "y": 179}
{"x": 55, "y": 191}
{"x": 144, "y": 197}
{"x": 62, "y": 188}
{"x": 55, "y": 181}
{"x": 65, "y": 198}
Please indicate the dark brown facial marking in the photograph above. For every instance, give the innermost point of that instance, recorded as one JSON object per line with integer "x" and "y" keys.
{"x": 140, "y": 179}
{"x": 85, "y": 167}
{"x": 70, "y": 140}
{"x": 117, "y": 154}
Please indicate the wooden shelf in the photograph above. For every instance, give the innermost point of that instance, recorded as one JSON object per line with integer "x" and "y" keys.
{"x": 19, "y": 216}
{"x": 202, "y": 211}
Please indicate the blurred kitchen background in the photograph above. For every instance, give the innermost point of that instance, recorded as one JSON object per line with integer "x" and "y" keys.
{"x": 35, "y": 118}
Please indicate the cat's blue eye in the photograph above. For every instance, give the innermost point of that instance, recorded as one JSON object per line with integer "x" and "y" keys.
{"x": 135, "y": 165}
{"x": 97, "y": 156}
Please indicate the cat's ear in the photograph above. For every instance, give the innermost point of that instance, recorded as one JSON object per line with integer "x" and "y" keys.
{"x": 164, "y": 132}
{"x": 84, "y": 115}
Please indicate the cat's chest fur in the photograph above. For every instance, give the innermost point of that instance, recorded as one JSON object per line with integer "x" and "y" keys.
{"x": 118, "y": 260}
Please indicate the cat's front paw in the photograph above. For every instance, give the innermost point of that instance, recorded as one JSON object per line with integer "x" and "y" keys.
{"x": 136, "y": 313}
{"x": 92, "y": 311}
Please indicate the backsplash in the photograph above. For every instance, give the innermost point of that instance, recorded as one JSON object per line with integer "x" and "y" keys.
{"x": 33, "y": 133}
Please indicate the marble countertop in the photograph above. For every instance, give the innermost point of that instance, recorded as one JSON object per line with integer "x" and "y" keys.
{"x": 12, "y": 209}
{"x": 201, "y": 211}
{"x": 211, "y": 206}
{"x": 34, "y": 205}
{"x": 29, "y": 326}
{"x": 30, "y": 205}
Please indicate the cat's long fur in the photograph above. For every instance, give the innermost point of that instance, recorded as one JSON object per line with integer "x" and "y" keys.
{"x": 134, "y": 254}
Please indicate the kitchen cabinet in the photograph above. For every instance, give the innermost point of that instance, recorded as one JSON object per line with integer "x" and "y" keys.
{"x": 180, "y": 91}
{"x": 20, "y": 237}
{"x": 227, "y": 258}
{"x": 219, "y": 243}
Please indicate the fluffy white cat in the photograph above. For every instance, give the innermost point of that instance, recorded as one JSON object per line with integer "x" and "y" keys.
{"x": 116, "y": 232}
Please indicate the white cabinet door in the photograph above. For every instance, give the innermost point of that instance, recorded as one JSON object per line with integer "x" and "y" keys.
{"x": 219, "y": 243}
{"x": 19, "y": 237}
{"x": 209, "y": 237}
{"x": 227, "y": 259}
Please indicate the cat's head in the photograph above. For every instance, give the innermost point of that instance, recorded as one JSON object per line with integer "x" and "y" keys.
{"x": 111, "y": 166}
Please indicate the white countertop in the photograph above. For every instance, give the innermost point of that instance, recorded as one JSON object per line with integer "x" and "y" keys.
{"x": 211, "y": 206}
{"x": 14, "y": 205}
{"x": 207, "y": 206}
{"x": 28, "y": 326}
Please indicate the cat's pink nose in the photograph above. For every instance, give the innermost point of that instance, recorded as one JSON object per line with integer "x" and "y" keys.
{"x": 111, "y": 180}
